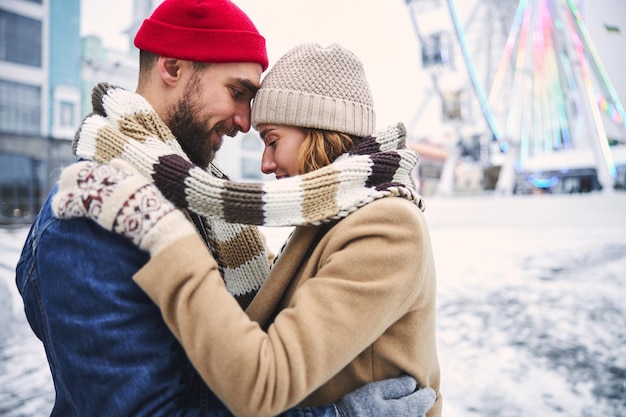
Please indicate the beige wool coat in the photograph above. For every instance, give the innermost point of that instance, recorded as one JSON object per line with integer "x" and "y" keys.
{"x": 344, "y": 305}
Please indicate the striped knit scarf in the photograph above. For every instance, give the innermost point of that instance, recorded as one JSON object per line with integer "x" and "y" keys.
{"x": 123, "y": 124}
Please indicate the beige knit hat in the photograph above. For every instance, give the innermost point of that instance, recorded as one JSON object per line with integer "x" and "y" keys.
{"x": 316, "y": 87}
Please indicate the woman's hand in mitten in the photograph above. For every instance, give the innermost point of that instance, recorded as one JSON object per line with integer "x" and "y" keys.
{"x": 121, "y": 200}
{"x": 398, "y": 397}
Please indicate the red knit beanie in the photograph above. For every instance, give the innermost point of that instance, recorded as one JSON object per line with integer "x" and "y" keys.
{"x": 202, "y": 31}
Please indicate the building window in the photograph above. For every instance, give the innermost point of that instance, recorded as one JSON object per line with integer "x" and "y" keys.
{"x": 21, "y": 185}
{"x": 251, "y": 168}
{"x": 251, "y": 141}
{"x": 66, "y": 111}
{"x": 20, "y": 108}
{"x": 67, "y": 114}
{"x": 20, "y": 39}
{"x": 251, "y": 151}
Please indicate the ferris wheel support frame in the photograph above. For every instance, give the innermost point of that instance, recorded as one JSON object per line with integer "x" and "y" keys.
{"x": 471, "y": 69}
{"x": 446, "y": 181}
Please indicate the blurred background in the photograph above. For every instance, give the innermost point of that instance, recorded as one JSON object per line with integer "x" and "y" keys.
{"x": 506, "y": 96}
{"x": 516, "y": 110}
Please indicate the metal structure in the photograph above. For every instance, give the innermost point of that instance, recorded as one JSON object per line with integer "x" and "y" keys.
{"x": 534, "y": 84}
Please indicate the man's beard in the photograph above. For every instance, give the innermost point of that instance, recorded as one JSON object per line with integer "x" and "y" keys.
{"x": 191, "y": 133}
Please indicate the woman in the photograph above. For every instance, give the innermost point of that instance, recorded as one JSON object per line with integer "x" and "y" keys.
{"x": 351, "y": 297}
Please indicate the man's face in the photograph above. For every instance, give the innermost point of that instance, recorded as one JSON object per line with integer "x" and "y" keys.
{"x": 215, "y": 102}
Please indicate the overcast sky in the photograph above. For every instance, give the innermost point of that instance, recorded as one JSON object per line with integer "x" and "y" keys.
{"x": 380, "y": 32}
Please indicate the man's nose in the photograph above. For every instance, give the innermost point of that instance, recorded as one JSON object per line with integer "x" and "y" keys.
{"x": 242, "y": 118}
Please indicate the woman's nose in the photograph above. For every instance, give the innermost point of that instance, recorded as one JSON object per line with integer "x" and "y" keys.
{"x": 268, "y": 166}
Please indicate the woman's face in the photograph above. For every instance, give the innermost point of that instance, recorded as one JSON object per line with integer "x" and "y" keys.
{"x": 282, "y": 143}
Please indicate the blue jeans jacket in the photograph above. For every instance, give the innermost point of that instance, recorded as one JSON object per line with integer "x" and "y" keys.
{"x": 109, "y": 350}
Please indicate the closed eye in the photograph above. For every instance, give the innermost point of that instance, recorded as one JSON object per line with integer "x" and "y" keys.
{"x": 237, "y": 94}
{"x": 242, "y": 89}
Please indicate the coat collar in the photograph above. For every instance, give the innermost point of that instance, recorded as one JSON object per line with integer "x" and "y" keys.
{"x": 264, "y": 305}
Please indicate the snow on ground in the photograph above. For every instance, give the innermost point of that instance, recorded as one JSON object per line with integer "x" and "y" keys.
{"x": 532, "y": 318}
{"x": 531, "y": 310}
{"x": 25, "y": 383}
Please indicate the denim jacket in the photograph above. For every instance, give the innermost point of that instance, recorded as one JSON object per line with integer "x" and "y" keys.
{"x": 109, "y": 350}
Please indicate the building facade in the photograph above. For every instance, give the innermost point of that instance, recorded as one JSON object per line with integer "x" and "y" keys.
{"x": 39, "y": 99}
{"x": 47, "y": 73}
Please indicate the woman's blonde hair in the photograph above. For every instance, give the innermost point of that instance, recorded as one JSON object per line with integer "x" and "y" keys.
{"x": 322, "y": 147}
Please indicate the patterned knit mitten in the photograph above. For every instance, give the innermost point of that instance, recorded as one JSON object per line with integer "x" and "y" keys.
{"x": 121, "y": 200}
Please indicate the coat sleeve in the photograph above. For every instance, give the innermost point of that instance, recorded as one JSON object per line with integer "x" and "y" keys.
{"x": 369, "y": 275}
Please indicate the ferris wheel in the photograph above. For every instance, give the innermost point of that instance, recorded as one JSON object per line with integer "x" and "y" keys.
{"x": 533, "y": 81}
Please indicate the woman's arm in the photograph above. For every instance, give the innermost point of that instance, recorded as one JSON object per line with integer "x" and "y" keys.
{"x": 255, "y": 372}
{"x": 354, "y": 298}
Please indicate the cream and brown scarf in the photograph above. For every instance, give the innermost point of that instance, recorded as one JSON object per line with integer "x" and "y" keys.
{"x": 123, "y": 124}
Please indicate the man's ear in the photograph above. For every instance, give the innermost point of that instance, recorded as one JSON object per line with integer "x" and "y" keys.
{"x": 169, "y": 69}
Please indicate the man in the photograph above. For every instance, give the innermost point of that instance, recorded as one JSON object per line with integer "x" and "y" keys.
{"x": 109, "y": 350}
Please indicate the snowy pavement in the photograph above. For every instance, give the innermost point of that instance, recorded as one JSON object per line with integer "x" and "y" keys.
{"x": 531, "y": 309}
